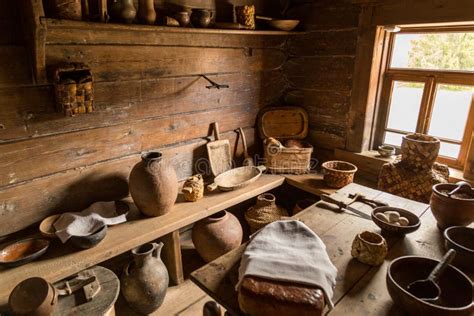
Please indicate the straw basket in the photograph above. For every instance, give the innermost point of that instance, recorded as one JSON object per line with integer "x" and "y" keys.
{"x": 419, "y": 152}
{"x": 264, "y": 212}
{"x": 338, "y": 174}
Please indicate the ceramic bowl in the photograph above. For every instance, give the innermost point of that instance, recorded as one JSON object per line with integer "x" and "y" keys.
{"x": 46, "y": 226}
{"x": 90, "y": 241}
{"x": 457, "y": 210}
{"x": 414, "y": 221}
{"x": 284, "y": 25}
{"x": 23, "y": 251}
{"x": 461, "y": 239}
{"x": 386, "y": 151}
{"x": 456, "y": 287}
{"x": 33, "y": 296}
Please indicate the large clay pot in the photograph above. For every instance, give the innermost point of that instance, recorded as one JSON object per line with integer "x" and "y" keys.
{"x": 153, "y": 185}
{"x": 451, "y": 211}
{"x": 146, "y": 12}
{"x": 123, "y": 11}
{"x": 217, "y": 235}
{"x": 145, "y": 280}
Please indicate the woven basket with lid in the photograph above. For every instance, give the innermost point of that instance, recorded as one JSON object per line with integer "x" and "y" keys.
{"x": 264, "y": 212}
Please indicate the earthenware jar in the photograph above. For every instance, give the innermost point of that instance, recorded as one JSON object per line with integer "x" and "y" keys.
{"x": 369, "y": 248}
{"x": 264, "y": 212}
{"x": 123, "y": 11}
{"x": 193, "y": 188}
{"x": 34, "y": 296}
{"x": 183, "y": 17}
{"x": 217, "y": 235}
{"x": 201, "y": 18}
{"x": 146, "y": 12}
{"x": 145, "y": 280}
{"x": 456, "y": 210}
{"x": 153, "y": 185}
{"x": 66, "y": 9}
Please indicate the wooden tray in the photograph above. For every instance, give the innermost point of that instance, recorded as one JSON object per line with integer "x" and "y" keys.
{"x": 236, "y": 178}
{"x": 287, "y": 122}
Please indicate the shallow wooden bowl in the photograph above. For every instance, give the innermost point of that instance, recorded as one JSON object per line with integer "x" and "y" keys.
{"x": 414, "y": 221}
{"x": 456, "y": 287}
{"x": 46, "y": 226}
{"x": 461, "y": 239}
{"x": 284, "y": 25}
{"x": 23, "y": 251}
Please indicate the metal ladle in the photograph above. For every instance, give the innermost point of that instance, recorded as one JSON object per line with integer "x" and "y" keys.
{"x": 461, "y": 185}
{"x": 428, "y": 289}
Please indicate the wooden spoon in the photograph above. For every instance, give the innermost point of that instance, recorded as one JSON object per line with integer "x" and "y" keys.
{"x": 428, "y": 289}
{"x": 248, "y": 161}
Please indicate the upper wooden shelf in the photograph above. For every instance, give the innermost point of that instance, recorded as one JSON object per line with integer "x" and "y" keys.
{"x": 101, "y": 27}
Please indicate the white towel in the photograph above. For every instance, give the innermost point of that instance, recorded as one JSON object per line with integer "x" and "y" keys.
{"x": 88, "y": 221}
{"x": 289, "y": 251}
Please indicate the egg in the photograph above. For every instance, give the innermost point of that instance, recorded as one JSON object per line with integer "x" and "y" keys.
{"x": 392, "y": 216}
{"x": 403, "y": 221}
{"x": 382, "y": 217}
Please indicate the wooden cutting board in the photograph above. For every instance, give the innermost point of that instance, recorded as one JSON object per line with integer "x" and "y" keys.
{"x": 220, "y": 159}
{"x": 287, "y": 122}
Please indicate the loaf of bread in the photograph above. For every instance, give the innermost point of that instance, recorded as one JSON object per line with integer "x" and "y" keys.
{"x": 262, "y": 297}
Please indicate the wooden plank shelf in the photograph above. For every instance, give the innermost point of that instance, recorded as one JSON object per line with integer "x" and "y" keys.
{"x": 62, "y": 261}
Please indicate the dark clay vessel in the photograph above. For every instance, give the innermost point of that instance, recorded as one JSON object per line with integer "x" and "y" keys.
{"x": 153, "y": 185}
{"x": 201, "y": 18}
{"x": 217, "y": 235}
{"x": 145, "y": 280}
{"x": 146, "y": 12}
{"x": 451, "y": 211}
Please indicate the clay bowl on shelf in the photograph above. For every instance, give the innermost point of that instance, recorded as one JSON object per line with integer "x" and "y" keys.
{"x": 456, "y": 287}
{"x": 461, "y": 239}
{"x": 23, "y": 251}
{"x": 283, "y": 25}
{"x": 386, "y": 151}
{"x": 46, "y": 226}
{"x": 457, "y": 210}
{"x": 86, "y": 242}
{"x": 413, "y": 221}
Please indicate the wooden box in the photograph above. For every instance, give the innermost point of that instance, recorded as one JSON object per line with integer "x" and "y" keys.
{"x": 280, "y": 124}
{"x": 73, "y": 88}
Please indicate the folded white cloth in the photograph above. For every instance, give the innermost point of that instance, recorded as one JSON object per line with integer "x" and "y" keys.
{"x": 88, "y": 221}
{"x": 289, "y": 251}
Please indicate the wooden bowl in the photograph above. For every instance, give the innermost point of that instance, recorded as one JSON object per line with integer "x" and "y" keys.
{"x": 414, "y": 221}
{"x": 461, "y": 239}
{"x": 456, "y": 287}
{"x": 90, "y": 241}
{"x": 283, "y": 25}
{"x": 46, "y": 226}
{"x": 23, "y": 251}
{"x": 451, "y": 211}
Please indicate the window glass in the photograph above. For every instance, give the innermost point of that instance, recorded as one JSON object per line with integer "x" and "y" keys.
{"x": 450, "y": 111}
{"x": 394, "y": 139}
{"x": 405, "y": 105}
{"x": 438, "y": 51}
{"x": 449, "y": 150}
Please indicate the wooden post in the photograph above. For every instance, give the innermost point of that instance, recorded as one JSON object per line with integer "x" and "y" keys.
{"x": 171, "y": 255}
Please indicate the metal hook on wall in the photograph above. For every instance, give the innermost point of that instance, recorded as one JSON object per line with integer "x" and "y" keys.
{"x": 215, "y": 85}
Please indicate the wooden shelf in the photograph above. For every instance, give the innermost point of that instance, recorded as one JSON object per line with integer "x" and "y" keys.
{"x": 108, "y": 27}
{"x": 62, "y": 261}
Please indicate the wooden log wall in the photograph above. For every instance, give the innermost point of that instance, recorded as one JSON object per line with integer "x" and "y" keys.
{"x": 320, "y": 68}
{"x": 148, "y": 96}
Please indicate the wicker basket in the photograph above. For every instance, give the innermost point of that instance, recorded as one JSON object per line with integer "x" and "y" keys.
{"x": 74, "y": 90}
{"x": 419, "y": 152}
{"x": 264, "y": 212}
{"x": 245, "y": 15}
{"x": 279, "y": 159}
{"x": 338, "y": 174}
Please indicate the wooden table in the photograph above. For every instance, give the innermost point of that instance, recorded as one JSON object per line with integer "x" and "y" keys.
{"x": 360, "y": 289}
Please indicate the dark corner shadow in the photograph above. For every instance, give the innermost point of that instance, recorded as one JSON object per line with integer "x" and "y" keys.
{"x": 353, "y": 267}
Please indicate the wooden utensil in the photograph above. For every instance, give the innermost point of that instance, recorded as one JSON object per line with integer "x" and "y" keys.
{"x": 218, "y": 151}
{"x": 343, "y": 207}
{"x": 236, "y": 178}
{"x": 248, "y": 161}
{"x": 428, "y": 289}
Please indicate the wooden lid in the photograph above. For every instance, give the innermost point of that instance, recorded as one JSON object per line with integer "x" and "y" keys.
{"x": 288, "y": 122}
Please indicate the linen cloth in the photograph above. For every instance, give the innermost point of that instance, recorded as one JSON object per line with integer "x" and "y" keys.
{"x": 88, "y": 221}
{"x": 289, "y": 251}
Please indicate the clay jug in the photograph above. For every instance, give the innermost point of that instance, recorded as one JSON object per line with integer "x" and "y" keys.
{"x": 217, "y": 235}
{"x": 145, "y": 280}
{"x": 123, "y": 11}
{"x": 146, "y": 12}
{"x": 153, "y": 185}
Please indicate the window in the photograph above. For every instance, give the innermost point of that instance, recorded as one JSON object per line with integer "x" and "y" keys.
{"x": 428, "y": 87}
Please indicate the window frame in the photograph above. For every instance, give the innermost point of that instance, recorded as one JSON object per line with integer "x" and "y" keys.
{"x": 430, "y": 78}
